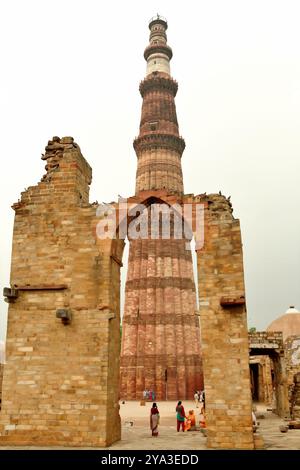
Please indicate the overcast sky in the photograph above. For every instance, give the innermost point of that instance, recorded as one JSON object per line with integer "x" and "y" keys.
{"x": 73, "y": 68}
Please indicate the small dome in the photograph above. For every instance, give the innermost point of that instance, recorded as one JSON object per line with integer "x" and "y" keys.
{"x": 288, "y": 324}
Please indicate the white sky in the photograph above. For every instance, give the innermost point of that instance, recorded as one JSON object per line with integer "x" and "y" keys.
{"x": 73, "y": 68}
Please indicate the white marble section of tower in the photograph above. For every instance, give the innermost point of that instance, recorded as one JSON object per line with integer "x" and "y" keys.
{"x": 158, "y": 53}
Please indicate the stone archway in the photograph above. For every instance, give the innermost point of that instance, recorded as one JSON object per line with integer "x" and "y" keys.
{"x": 61, "y": 380}
{"x": 271, "y": 344}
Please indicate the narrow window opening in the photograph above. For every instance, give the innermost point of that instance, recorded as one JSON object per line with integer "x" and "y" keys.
{"x": 153, "y": 125}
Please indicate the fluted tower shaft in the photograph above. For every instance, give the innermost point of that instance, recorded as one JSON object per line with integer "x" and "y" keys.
{"x": 161, "y": 336}
{"x": 159, "y": 147}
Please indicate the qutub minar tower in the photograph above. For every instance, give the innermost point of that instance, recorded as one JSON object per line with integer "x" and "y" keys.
{"x": 161, "y": 333}
{"x": 61, "y": 380}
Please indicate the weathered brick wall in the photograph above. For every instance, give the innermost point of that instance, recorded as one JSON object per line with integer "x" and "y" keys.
{"x": 266, "y": 340}
{"x": 295, "y": 398}
{"x": 224, "y": 332}
{"x": 60, "y": 383}
{"x": 1, "y": 376}
{"x": 292, "y": 352}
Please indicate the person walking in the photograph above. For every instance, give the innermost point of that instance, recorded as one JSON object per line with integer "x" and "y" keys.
{"x": 154, "y": 420}
{"x": 202, "y": 401}
{"x": 180, "y": 416}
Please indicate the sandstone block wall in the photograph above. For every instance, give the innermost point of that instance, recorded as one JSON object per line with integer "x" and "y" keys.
{"x": 295, "y": 398}
{"x": 266, "y": 340}
{"x": 60, "y": 383}
{"x": 1, "y": 377}
{"x": 292, "y": 352}
{"x": 224, "y": 335}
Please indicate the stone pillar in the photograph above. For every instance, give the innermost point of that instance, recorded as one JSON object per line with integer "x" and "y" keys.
{"x": 292, "y": 358}
{"x": 60, "y": 384}
{"x": 224, "y": 335}
{"x": 268, "y": 380}
{"x": 1, "y": 377}
{"x": 281, "y": 385}
{"x": 295, "y": 398}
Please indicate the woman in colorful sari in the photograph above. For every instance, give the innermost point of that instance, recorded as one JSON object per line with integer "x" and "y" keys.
{"x": 190, "y": 421}
{"x": 154, "y": 420}
{"x": 180, "y": 416}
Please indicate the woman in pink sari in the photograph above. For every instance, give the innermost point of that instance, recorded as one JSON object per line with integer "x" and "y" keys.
{"x": 154, "y": 420}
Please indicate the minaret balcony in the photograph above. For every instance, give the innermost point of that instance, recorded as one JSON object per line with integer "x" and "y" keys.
{"x": 154, "y": 141}
{"x": 158, "y": 81}
{"x": 158, "y": 49}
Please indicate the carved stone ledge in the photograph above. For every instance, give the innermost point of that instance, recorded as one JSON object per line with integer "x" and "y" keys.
{"x": 229, "y": 302}
{"x": 158, "y": 49}
{"x": 158, "y": 82}
{"x": 154, "y": 141}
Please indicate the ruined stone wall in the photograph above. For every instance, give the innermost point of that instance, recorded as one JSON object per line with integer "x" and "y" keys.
{"x": 295, "y": 398}
{"x": 271, "y": 343}
{"x": 266, "y": 340}
{"x": 1, "y": 376}
{"x": 292, "y": 352}
{"x": 60, "y": 383}
{"x": 224, "y": 332}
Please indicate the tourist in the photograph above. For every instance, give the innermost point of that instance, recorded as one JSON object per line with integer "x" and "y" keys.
{"x": 254, "y": 421}
{"x": 153, "y": 395}
{"x": 202, "y": 401}
{"x": 202, "y": 421}
{"x": 196, "y": 398}
{"x": 154, "y": 420}
{"x": 180, "y": 416}
{"x": 190, "y": 421}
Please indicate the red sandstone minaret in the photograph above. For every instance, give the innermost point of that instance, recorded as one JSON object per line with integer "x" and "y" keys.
{"x": 161, "y": 335}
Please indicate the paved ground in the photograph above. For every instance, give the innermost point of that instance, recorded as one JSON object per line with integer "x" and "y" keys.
{"x": 273, "y": 438}
{"x": 138, "y": 435}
